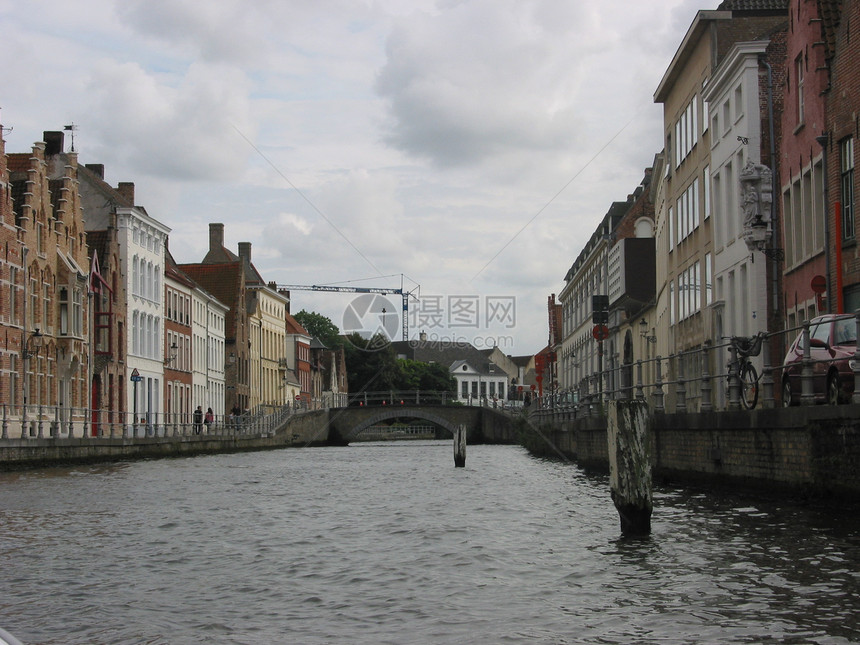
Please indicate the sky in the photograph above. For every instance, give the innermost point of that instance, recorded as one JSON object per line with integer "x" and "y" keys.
{"x": 463, "y": 151}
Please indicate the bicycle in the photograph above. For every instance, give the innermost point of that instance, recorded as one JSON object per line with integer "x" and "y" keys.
{"x": 744, "y": 347}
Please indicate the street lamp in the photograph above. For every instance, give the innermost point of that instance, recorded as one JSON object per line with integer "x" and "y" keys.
{"x": 33, "y": 344}
{"x": 173, "y": 353}
{"x": 643, "y": 331}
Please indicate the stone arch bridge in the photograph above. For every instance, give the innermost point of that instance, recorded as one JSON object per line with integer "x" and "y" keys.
{"x": 483, "y": 424}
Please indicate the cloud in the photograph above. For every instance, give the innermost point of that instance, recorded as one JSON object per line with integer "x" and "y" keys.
{"x": 179, "y": 128}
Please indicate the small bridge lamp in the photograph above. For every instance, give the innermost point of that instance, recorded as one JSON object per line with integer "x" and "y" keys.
{"x": 643, "y": 331}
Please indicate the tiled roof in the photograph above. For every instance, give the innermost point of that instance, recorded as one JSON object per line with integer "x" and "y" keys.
{"x": 172, "y": 270}
{"x": 19, "y": 161}
{"x": 97, "y": 241}
{"x": 831, "y": 14}
{"x": 293, "y": 326}
{"x": 85, "y": 174}
{"x": 753, "y": 5}
{"x": 444, "y": 353}
{"x": 224, "y": 281}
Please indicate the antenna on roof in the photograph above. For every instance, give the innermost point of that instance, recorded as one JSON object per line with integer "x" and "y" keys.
{"x": 71, "y": 128}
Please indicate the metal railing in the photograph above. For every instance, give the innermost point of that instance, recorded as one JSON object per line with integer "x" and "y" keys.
{"x": 672, "y": 389}
{"x": 426, "y": 397}
{"x": 57, "y": 422}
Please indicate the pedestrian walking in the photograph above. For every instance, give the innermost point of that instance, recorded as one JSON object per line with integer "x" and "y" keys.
{"x": 198, "y": 420}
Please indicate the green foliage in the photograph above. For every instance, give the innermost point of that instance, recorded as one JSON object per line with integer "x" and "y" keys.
{"x": 415, "y": 375}
{"x": 372, "y": 366}
{"x": 320, "y": 327}
{"x": 370, "y": 363}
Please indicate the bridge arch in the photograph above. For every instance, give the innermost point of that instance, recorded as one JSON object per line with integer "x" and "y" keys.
{"x": 394, "y": 413}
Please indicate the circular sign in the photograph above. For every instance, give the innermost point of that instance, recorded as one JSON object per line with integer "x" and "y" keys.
{"x": 370, "y": 315}
{"x": 819, "y": 284}
{"x": 298, "y": 397}
{"x": 600, "y": 332}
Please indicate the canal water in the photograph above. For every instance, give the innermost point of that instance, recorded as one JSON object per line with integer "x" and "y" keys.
{"x": 389, "y": 543}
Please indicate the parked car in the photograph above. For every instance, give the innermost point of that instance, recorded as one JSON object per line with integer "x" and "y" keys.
{"x": 832, "y": 342}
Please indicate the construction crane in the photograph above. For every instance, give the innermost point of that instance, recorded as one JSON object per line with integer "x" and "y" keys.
{"x": 404, "y": 295}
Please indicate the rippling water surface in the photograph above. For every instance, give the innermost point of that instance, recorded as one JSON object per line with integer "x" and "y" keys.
{"x": 389, "y": 543}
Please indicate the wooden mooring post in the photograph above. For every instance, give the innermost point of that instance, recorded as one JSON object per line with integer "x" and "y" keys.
{"x": 460, "y": 447}
{"x": 628, "y": 429}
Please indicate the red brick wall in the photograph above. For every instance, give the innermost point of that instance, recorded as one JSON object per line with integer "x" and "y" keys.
{"x": 843, "y": 105}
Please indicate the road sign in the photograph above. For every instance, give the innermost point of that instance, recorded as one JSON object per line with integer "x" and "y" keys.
{"x": 819, "y": 284}
{"x": 600, "y": 332}
{"x": 135, "y": 375}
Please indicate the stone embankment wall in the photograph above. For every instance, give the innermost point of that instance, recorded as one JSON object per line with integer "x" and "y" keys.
{"x": 812, "y": 450}
{"x": 299, "y": 430}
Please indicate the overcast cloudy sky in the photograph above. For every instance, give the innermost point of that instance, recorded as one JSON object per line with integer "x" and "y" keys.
{"x": 469, "y": 145}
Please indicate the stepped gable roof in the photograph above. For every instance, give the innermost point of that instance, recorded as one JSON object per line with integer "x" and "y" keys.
{"x": 831, "y": 15}
{"x": 224, "y": 281}
{"x": 18, "y": 161}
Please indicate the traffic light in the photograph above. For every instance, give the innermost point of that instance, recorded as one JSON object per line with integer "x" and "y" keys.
{"x": 600, "y": 310}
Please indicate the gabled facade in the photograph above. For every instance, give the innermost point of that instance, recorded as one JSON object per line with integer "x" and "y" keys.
{"x": 298, "y": 355}
{"x": 479, "y": 384}
{"x": 744, "y": 292}
{"x": 224, "y": 284}
{"x": 142, "y": 240}
{"x": 108, "y": 332}
{"x": 178, "y": 344}
{"x": 685, "y": 319}
{"x": 617, "y": 263}
{"x": 839, "y": 35}
{"x": 801, "y": 176}
{"x": 12, "y": 282}
{"x": 47, "y": 269}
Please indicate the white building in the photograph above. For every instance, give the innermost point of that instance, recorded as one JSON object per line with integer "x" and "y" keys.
{"x": 740, "y": 285}
{"x": 208, "y": 331}
{"x": 141, "y": 240}
{"x": 478, "y": 384}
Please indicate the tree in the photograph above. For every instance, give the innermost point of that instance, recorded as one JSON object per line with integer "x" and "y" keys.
{"x": 321, "y": 327}
{"x": 371, "y": 365}
{"x": 415, "y": 375}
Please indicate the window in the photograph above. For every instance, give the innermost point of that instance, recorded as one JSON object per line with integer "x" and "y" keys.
{"x": 13, "y": 295}
{"x": 686, "y": 132}
{"x": 706, "y": 183}
{"x": 739, "y": 102}
{"x": 64, "y": 311}
{"x": 709, "y": 276}
{"x": 798, "y": 68}
{"x": 78, "y": 313}
{"x": 846, "y": 164}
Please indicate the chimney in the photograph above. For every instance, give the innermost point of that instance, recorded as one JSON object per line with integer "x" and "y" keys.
{"x": 216, "y": 237}
{"x": 126, "y": 191}
{"x": 53, "y": 143}
{"x": 286, "y": 294}
{"x": 98, "y": 169}
{"x": 245, "y": 251}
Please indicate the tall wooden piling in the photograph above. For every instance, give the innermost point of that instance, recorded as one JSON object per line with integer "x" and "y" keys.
{"x": 460, "y": 447}
{"x": 628, "y": 435}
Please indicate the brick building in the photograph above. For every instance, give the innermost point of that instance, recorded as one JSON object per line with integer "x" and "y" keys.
{"x": 49, "y": 325}
{"x": 838, "y": 21}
